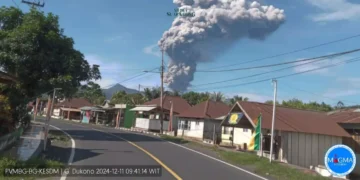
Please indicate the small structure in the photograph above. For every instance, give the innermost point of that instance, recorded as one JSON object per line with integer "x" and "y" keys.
{"x": 202, "y": 121}
{"x": 148, "y": 114}
{"x": 116, "y": 115}
{"x": 88, "y": 114}
{"x": 70, "y": 108}
{"x": 302, "y": 137}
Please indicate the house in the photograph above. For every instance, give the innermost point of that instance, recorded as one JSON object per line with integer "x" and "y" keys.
{"x": 203, "y": 120}
{"x": 117, "y": 115}
{"x": 70, "y": 108}
{"x": 148, "y": 114}
{"x": 302, "y": 137}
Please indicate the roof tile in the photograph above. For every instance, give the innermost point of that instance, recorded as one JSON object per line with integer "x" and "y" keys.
{"x": 295, "y": 120}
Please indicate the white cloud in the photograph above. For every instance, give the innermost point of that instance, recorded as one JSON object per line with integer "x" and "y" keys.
{"x": 333, "y": 93}
{"x": 110, "y": 72}
{"x": 335, "y": 10}
{"x": 152, "y": 50}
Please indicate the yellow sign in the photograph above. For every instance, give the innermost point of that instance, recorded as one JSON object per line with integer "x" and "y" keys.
{"x": 233, "y": 119}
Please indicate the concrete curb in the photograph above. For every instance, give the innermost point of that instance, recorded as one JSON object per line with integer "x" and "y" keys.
{"x": 139, "y": 131}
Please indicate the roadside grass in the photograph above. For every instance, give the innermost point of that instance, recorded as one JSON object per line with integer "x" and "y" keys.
{"x": 35, "y": 163}
{"x": 58, "y": 136}
{"x": 257, "y": 164}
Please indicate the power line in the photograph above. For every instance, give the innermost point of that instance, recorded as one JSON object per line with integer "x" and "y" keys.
{"x": 315, "y": 59}
{"x": 133, "y": 77}
{"x": 254, "y": 75}
{"x": 279, "y": 77}
{"x": 315, "y": 94}
{"x": 291, "y": 52}
{"x": 15, "y": 4}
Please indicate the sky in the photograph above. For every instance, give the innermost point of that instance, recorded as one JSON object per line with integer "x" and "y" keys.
{"x": 122, "y": 36}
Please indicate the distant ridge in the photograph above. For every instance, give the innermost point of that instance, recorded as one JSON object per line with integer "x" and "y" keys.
{"x": 116, "y": 88}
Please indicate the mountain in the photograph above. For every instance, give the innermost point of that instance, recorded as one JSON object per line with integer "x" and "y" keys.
{"x": 116, "y": 88}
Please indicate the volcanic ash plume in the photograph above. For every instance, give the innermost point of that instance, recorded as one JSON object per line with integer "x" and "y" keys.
{"x": 217, "y": 24}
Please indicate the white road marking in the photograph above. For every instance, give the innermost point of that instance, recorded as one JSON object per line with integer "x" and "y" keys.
{"x": 72, "y": 154}
{"x": 218, "y": 160}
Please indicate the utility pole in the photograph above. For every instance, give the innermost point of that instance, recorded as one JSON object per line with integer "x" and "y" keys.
{"x": 274, "y": 81}
{"x": 33, "y": 3}
{"x": 161, "y": 91}
{"x": 49, "y": 117}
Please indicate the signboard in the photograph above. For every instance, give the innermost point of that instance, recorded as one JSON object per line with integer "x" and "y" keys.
{"x": 234, "y": 118}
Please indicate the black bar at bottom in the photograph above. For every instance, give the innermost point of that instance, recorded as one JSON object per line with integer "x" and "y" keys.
{"x": 87, "y": 171}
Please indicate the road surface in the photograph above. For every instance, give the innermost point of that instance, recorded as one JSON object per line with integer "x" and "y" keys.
{"x": 106, "y": 146}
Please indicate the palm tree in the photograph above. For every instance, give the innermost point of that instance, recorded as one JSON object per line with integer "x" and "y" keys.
{"x": 340, "y": 105}
{"x": 152, "y": 93}
{"x": 217, "y": 96}
{"x": 237, "y": 98}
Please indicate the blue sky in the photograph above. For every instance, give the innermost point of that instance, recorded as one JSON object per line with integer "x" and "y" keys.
{"x": 121, "y": 37}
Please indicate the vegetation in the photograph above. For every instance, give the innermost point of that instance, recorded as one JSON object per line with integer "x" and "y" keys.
{"x": 131, "y": 99}
{"x": 152, "y": 93}
{"x": 259, "y": 165}
{"x": 194, "y": 98}
{"x": 92, "y": 92}
{"x": 217, "y": 97}
{"x": 35, "y": 50}
{"x": 236, "y": 98}
{"x": 298, "y": 104}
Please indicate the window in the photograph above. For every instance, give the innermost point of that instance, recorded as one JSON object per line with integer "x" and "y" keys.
{"x": 184, "y": 125}
{"x": 197, "y": 123}
{"x": 245, "y": 130}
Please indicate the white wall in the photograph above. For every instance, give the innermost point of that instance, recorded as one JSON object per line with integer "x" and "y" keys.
{"x": 195, "y": 131}
{"x": 155, "y": 124}
{"x": 56, "y": 112}
{"x": 240, "y": 137}
{"x": 142, "y": 123}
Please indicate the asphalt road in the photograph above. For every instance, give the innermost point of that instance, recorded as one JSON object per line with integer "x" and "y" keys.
{"x": 106, "y": 146}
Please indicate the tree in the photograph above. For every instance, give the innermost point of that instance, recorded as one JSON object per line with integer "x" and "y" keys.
{"x": 135, "y": 99}
{"x": 194, "y": 98}
{"x": 271, "y": 102}
{"x": 237, "y": 98}
{"x": 92, "y": 92}
{"x": 152, "y": 93}
{"x": 298, "y": 104}
{"x": 217, "y": 96}
{"x": 340, "y": 105}
{"x": 119, "y": 97}
{"x": 34, "y": 49}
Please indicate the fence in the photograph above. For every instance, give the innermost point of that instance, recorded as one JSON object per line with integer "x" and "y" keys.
{"x": 7, "y": 140}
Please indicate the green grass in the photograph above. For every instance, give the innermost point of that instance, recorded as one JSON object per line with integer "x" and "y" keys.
{"x": 253, "y": 162}
{"x": 58, "y": 136}
{"x": 6, "y": 162}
